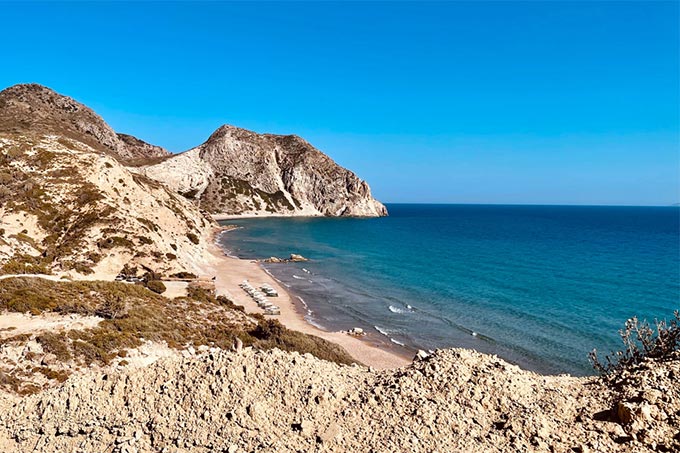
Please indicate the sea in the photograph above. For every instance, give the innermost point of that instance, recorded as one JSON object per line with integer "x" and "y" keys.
{"x": 539, "y": 286}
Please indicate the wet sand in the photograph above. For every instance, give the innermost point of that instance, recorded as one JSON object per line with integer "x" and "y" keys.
{"x": 230, "y": 272}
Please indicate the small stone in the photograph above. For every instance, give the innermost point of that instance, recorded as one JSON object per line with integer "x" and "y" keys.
{"x": 624, "y": 412}
{"x": 421, "y": 355}
{"x": 329, "y": 433}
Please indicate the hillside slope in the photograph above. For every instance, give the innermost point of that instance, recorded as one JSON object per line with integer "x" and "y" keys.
{"x": 67, "y": 203}
{"x": 31, "y": 108}
{"x": 241, "y": 172}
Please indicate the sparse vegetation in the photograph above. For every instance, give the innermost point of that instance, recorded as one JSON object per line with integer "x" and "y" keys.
{"x": 26, "y": 264}
{"x": 272, "y": 334}
{"x": 115, "y": 241}
{"x": 642, "y": 341}
{"x": 133, "y": 313}
{"x": 55, "y": 343}
{"x": 184, "y": 275}
{"x": 193, "y": 238}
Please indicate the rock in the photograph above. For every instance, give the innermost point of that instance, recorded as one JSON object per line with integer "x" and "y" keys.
{"x": 452, "y": 400}
{"x": 356, "y": 332}
{"x": 421, "y": 355}
{"x": 49, "y": 359}
{"x": 297, "y": 258}
{"x": 238, "y": 345}
{"x": 330, "y": 433}
{"x": 624, "y": 412}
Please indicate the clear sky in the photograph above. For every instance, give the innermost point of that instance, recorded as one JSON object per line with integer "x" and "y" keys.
{"x": 480, "y": 102}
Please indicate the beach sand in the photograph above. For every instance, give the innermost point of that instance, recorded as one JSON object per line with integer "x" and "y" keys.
{"x": 230, "y": 272}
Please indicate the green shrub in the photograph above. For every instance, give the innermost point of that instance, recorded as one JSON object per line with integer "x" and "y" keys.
{"x": 55, "y": 344}
{"x": 115, "y": 241}
{"x": 184, "y": 274}
{"x": 26, "y": 264}
{"x": 272, "y": 334}
{"x": 193, "y": 238}
{"x": 156, "y": 286}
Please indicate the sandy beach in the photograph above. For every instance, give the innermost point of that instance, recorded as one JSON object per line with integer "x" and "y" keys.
{"x": 230, "y": 272}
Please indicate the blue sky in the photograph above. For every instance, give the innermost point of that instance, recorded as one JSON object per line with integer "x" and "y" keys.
{"x": 480, "y": 102}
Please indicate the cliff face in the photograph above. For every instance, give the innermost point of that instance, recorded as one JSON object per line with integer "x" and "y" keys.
{"x": 241, "y": 172}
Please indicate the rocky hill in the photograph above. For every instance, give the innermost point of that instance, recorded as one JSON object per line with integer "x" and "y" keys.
{"x": 234, "y": 172}
{"x": 455, "y": 400}
{"x": 33, "y": 108}
{"x": 241, "y": 172}
{"x": 69, "y": 204}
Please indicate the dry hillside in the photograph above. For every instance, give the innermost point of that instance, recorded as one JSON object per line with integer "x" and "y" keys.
{"x": 68, "y": 204}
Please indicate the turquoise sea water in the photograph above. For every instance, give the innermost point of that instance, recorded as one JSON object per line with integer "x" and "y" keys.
{"x": 538, "y": 285}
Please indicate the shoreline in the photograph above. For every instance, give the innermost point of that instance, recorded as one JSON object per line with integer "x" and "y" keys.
{"x": 261, "y": 215}
{"x": 231, "y": 271}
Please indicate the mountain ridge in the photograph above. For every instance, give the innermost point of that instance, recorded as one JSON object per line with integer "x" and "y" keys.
{"x": 235, "y": 171}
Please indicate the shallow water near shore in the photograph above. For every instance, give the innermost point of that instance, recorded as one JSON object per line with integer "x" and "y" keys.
{"x": 538, "y": 285}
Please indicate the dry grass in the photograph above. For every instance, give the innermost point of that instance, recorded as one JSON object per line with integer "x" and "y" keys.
{"x": 135, "y": 314}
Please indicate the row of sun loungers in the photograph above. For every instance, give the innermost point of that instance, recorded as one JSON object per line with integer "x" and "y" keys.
{"x": 261, "y": 300}
{"x": 269, "y": 291}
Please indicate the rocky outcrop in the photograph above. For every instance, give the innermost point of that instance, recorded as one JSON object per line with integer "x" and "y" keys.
{"x": 454, "y": 400}
{"x": 139, "y": 151}
{"x": 33, "y": 108}
{"x": 294, "y": 258}
{"x": 241, "y": 172}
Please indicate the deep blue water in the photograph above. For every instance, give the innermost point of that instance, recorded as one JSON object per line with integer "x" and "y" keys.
{"x": 538, "y": 285}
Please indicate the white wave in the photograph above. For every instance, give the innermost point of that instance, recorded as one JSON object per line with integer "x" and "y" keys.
{"x": 305, "y": 270}
{"x": 286, "y": 285}
{"x": 393, "y": 309}
{"x": 397, "y": 342}
{"x": 298, "y": 277}
{"x": 311, "y": 321}
{"x": 384, "y": 332}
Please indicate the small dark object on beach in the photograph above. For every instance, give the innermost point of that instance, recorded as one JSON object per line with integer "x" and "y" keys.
{"x": 156, "y": 286}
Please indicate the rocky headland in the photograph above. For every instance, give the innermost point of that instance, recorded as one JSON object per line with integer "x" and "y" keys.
{"x": 240, "y": 172}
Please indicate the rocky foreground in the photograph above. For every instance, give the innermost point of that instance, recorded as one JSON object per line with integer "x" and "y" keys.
{"x": 455, "y": 400}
